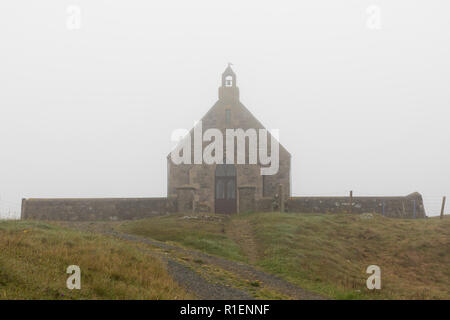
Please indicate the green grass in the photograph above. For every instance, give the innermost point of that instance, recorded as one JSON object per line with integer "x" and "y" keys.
{"x": 34, "y": 257}
{"x": 327, "y": 254}
{"x": 203, "y": 233}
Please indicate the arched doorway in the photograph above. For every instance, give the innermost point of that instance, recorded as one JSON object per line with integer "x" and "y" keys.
{"x": 225, "y": 189}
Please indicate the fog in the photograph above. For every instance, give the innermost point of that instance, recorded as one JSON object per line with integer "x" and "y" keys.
{"x": 359, "y": 91}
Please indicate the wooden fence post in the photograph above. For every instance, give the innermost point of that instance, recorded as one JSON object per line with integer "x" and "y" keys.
{"x": 351, "y": 203}
{"x": 443, "y": 207}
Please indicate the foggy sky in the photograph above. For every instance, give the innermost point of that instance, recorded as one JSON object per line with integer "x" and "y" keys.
{"x": 90, "y": 112}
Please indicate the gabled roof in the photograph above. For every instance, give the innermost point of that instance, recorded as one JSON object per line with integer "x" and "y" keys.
{"x": 236, "y": 105}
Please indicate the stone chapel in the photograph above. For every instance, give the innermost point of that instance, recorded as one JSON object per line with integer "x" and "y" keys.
{"x": 225, "y": 187}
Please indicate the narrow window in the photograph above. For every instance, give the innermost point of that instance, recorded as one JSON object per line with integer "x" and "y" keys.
{"x": 229, "y": 81}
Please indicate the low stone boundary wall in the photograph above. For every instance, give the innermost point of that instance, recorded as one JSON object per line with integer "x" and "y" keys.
{"x": 410, "y": 206}
{"x": 96, "y": 209}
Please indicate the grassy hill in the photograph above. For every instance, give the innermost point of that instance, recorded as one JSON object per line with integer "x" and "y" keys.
{"x": 324, "y": 254}
{"x": 34, "y": 257}
{"x": 327, "y": 254}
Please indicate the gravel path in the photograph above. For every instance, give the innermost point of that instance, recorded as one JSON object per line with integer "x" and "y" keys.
{"x": 203, "y": 289}
{"x": 247, "y": 271}
{"x": 194, "y": 282}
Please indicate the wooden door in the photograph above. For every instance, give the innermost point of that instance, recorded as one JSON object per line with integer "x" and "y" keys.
{"x": 225, "y": 189}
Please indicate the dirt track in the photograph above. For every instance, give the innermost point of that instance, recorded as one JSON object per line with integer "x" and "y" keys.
{"x": 180, "y": 262}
